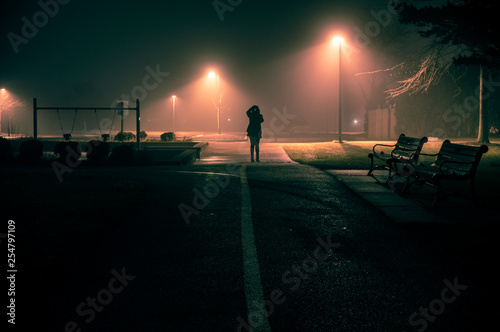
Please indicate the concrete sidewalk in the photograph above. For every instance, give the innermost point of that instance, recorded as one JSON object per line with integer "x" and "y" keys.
{"x": 414, "y": 206}
{"x": 379, "y": 195}
{"x": 239, "y": 152}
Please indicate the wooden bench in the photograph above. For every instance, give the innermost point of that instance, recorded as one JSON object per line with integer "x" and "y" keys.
{"x": 453, "y": 162}
{"x": 406, "y": 151}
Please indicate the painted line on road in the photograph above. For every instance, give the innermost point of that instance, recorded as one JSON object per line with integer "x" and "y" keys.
{"x": 251, "y": 270}
{"x": 198, "y": 172}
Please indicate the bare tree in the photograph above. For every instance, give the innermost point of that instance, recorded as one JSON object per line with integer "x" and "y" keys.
{"x": 460, "y": 34}
{"x": 429, "y": 72}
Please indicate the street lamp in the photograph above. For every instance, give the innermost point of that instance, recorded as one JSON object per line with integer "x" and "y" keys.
{"x": 3, "y": 98}
{"x": 173, "y": 113}
{"x": 214, "y": 75}
{"x": 339, "y": 40}
{"x": 8, "y": 102}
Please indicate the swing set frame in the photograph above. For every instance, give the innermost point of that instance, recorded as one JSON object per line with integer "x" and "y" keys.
{"x": 137, "y": 110}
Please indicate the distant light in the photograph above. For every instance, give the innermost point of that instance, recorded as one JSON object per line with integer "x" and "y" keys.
{"x": 338, "y": 39}
{"x": 355, "y": 121}
{"x": 211, "y": 74}
{"x": 2, "y": 89}
{"x": 174, "y": 96}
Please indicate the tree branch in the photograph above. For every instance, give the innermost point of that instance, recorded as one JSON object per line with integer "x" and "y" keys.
{"x": 429, "y": 72}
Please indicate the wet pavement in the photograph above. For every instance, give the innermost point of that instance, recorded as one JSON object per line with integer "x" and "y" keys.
{"x": 229, "y": 245}
{"x": 239, "y": 152}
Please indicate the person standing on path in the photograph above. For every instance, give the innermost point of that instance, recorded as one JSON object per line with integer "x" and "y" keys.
{"x": 254, "y": 130}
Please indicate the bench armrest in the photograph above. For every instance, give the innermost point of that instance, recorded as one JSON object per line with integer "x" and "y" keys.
{"x": 429, "y": 154}
{"x": 412, "y": 156}
{"x": 386, "y": 145}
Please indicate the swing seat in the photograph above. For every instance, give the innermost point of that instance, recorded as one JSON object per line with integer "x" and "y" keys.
{"x": 67, "y": 137}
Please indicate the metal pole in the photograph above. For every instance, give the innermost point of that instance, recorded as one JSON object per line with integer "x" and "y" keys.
{"x": 173, "y": 113}
{"x": 340, "y": 92}
{"x": 327, "y": 131}
{"x": 389, "y": 123}
{"x": 122, "y": 104}
{"x": 8, "y": 122}
{"x": 218, "y": 109}
{"x": 138, "y": 123}
{"x": 35, "y": 120}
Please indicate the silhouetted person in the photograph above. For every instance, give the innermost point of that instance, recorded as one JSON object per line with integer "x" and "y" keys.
{"x": 254, "y": 130}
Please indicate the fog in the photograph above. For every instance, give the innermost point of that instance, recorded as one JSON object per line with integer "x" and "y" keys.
{"x": 305, "y": 83}
{"x": 89, "y": 58}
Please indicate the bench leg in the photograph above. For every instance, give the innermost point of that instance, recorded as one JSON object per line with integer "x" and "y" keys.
{"x": 439, "y": 194}
{"x": 370, "y": 172}
{"x": 390, "y": 165}
{"x": 407, "y": 185}
{"x": 389, "y": 181}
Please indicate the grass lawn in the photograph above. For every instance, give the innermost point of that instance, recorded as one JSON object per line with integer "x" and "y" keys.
{"x": 331, "y": 155}
{"x": 354, "y": 155}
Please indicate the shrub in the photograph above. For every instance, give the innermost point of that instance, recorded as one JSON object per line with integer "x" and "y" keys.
{"x": 124, "y": 136}
{"x": 122, "y": 155}
{"x": 6, "y": 155}
{"x": 31, "y": 151}
{"x": 143, "y": 135}
{"x": 168, "y": 137}
{"x": 68, "y": 151}
{"x": 97, "y": 151}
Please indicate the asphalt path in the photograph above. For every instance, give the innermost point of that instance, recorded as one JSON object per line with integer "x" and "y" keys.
{"x": 228, "y": 245}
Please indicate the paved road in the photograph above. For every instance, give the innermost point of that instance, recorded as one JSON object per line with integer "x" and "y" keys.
{"x": 218, "y": 153}
{"x": 227, "y": 245}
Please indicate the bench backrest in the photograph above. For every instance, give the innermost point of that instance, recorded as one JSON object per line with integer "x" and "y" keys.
{"x": 408, "y": 147}
{"x": 459, "y": 159}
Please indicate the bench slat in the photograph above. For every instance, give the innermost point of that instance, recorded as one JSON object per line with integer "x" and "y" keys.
{"x": 457, "y": 152}
{"x": 449, "y": 168}
{"x": 461, "y": 147}
{"x": 403, "y": 154}
{"x": 453, "y": 162}
{"x": 456, "y": 157}
{"x": 408, "y": 144}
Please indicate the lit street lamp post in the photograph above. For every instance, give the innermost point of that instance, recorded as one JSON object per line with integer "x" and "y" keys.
{"x": 212, "y": 74}
{"x": 2, "y": 97}
{"x": 6, "y": 106}
{"x": 339, "y": 40}
{"x": 173, "y": 113}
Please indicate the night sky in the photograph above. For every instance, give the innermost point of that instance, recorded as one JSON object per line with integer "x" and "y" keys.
{"x": 90, "y": 53}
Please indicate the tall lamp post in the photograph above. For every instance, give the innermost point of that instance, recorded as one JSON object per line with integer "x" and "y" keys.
{"x": 2, "y": 97}
{"x": 339, "y": 40}
{"x": 173, "y": 113}
{"x": 214, "y": 75}
{"x": 4, "y": 100}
